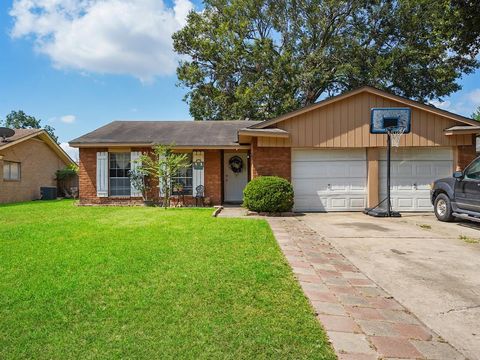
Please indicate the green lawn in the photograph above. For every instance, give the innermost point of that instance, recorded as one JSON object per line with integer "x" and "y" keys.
{"x": 145, "y": 283}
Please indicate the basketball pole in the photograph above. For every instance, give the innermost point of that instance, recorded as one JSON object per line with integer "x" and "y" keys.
{"x": 376, "y": 211}
{"x": 389, "y": 153}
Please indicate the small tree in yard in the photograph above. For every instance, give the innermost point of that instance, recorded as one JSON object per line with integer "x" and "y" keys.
{"x": 163, "y": 164}
{"x": 138, "y": 178}
{"x": 66, "y": 178}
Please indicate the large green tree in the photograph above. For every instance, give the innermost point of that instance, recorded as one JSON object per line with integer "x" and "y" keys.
{"x": 476, "y": 114}
{"x": 257, "y": 59}
{"x": 20, "y": 120}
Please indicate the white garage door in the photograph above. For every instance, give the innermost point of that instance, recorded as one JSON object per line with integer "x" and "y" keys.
{"x": 412, "y": 172}
{"x": 329, "y": 180}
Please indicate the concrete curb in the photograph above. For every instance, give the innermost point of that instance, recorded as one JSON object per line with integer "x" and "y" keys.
{"x": 217, "y": 210}
{"x": 268, "y": 214}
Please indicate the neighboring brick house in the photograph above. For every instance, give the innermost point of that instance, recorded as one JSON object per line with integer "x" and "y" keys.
{"x": 28, "y": 161}
{"x": 325, "y": 150}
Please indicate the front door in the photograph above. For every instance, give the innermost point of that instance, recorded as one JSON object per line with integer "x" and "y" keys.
{"x": 235, "y": 176}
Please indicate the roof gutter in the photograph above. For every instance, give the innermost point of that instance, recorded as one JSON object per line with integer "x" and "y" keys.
{"x": 149, "y": 145}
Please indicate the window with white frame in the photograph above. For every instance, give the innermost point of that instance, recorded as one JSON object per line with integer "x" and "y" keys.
{"x": 119, "y": 174}
{"x": 11, "y": 170}
{"x": 184, "y": 178}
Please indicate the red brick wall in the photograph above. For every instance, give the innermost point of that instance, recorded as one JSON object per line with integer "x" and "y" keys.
{"x": 466, "y": 154}
{"x": 213, "y": 176}
{"x": 271, "y": 161}
{"x": 88, "y": 179}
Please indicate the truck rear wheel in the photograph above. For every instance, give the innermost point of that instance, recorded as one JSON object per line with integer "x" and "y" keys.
{"x": 443, "y": 208}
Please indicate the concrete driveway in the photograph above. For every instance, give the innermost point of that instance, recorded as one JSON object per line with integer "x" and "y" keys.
{"x": 422, "y": 263}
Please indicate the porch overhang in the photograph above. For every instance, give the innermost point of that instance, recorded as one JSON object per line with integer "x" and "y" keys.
{"x": 277, "y": 133}
{"x": 245, "y": 135}
{"x": 462, "y": 130}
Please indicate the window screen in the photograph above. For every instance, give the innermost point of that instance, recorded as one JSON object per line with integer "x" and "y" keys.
{"x": 11, "y": 170}
{"x": 119, "y": 174}
{"x": 185, "y": 178}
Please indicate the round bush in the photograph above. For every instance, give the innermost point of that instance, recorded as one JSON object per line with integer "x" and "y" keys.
{"x": 268, "y": 194}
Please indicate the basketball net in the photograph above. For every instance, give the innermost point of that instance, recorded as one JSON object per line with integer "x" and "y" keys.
{"x": 395, "y": 135}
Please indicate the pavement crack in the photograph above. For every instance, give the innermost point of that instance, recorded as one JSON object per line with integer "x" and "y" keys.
{"x": 464, "y": 308}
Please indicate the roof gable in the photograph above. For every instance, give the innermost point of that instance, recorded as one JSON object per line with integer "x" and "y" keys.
{"x": 371, "y": 90}
{"x": 22, "y": 135}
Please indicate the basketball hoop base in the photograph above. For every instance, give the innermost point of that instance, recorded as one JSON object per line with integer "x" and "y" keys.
{"x": 376, "y": 212}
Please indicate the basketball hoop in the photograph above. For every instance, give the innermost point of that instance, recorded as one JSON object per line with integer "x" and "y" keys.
{"x": 395, "y": 135}
{"x": 394, "y": 122}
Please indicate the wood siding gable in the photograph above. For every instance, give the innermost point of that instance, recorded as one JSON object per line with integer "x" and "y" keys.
{"x": 346, "y": 123}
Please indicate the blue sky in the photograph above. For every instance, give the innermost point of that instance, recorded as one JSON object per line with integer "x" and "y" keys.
{"x": 59, "y": 64}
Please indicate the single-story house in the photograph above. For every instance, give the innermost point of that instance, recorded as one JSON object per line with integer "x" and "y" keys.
{"x": 29, "y": 160}
{"x": 326, "y": 150}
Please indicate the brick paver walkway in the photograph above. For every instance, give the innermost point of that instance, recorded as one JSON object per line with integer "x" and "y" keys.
{"x": 362, "y": 321}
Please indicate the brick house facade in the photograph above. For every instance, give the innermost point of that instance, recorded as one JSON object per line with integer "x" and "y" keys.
{"x": 325, "y": 150}
{"x": 35, "y": 158}
{"x": 271, "y": 161}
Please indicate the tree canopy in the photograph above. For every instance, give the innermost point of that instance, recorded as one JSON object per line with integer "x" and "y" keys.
{"x": 257, "y": 59}
{"x": 20, "y": 120}
{"x": 476, "y": 114}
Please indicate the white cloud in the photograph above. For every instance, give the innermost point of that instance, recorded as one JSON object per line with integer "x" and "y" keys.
{"x": 103, "y": 36}
{"x": 72, "y": 152}
{"x": 474, "y": 97}
{"x": 68, "y": 119}
{"x": 445, "y": 105}
{"x": 462, "y": 103}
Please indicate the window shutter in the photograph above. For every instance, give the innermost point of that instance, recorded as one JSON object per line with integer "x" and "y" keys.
{"x": 102, "y": 174}
{"x": 134, "y": 155}
{"x": 160, "y": 187}
{"x": 198, "y": 160}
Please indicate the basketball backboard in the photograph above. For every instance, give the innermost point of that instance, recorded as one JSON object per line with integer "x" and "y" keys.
{"x": 383, "y": 119}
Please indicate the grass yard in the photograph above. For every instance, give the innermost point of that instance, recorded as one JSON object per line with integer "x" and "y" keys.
{"x": 146, "y": 283}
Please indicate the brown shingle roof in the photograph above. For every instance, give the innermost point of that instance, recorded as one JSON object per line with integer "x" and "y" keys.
{"x": 20, "y": 133}
{"x": 180, "y": 133}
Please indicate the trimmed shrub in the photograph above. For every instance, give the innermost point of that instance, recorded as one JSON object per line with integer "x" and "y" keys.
{"x": 268, "y": 194}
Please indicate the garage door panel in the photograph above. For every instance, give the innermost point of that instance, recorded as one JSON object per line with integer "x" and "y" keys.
{"x": 328, "y": 169}
{"x": 411, "y": 179}
{"x": 338, "y": 203}
{"x": 359, "y": 203}
{"x": 309, "y": 186}
{"x": 425, "y": 170}
{"x": 424, "y": 202}
{"x": 403, "y": 202}
{"x": 302, "y": 155}
{"x": 309, "y": 203}
{"x": 357, "y": 169}
{"x": 329, "y": 203}
{"x": 321, "y": 186}
{"x": 329, "y": 180}
{"x": 334, "y": 170}
{"x": 419, "y": 154}
{"x": 403, "y": 169}
{"x": 443, "y": 170}
{"x": 306, "y": 170}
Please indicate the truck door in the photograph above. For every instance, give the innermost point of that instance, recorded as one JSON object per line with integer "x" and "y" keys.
{"x": 467, "y": 189}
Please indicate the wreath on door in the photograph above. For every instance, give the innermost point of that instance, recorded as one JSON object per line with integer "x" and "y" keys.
{"x": 236, "y": 164}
